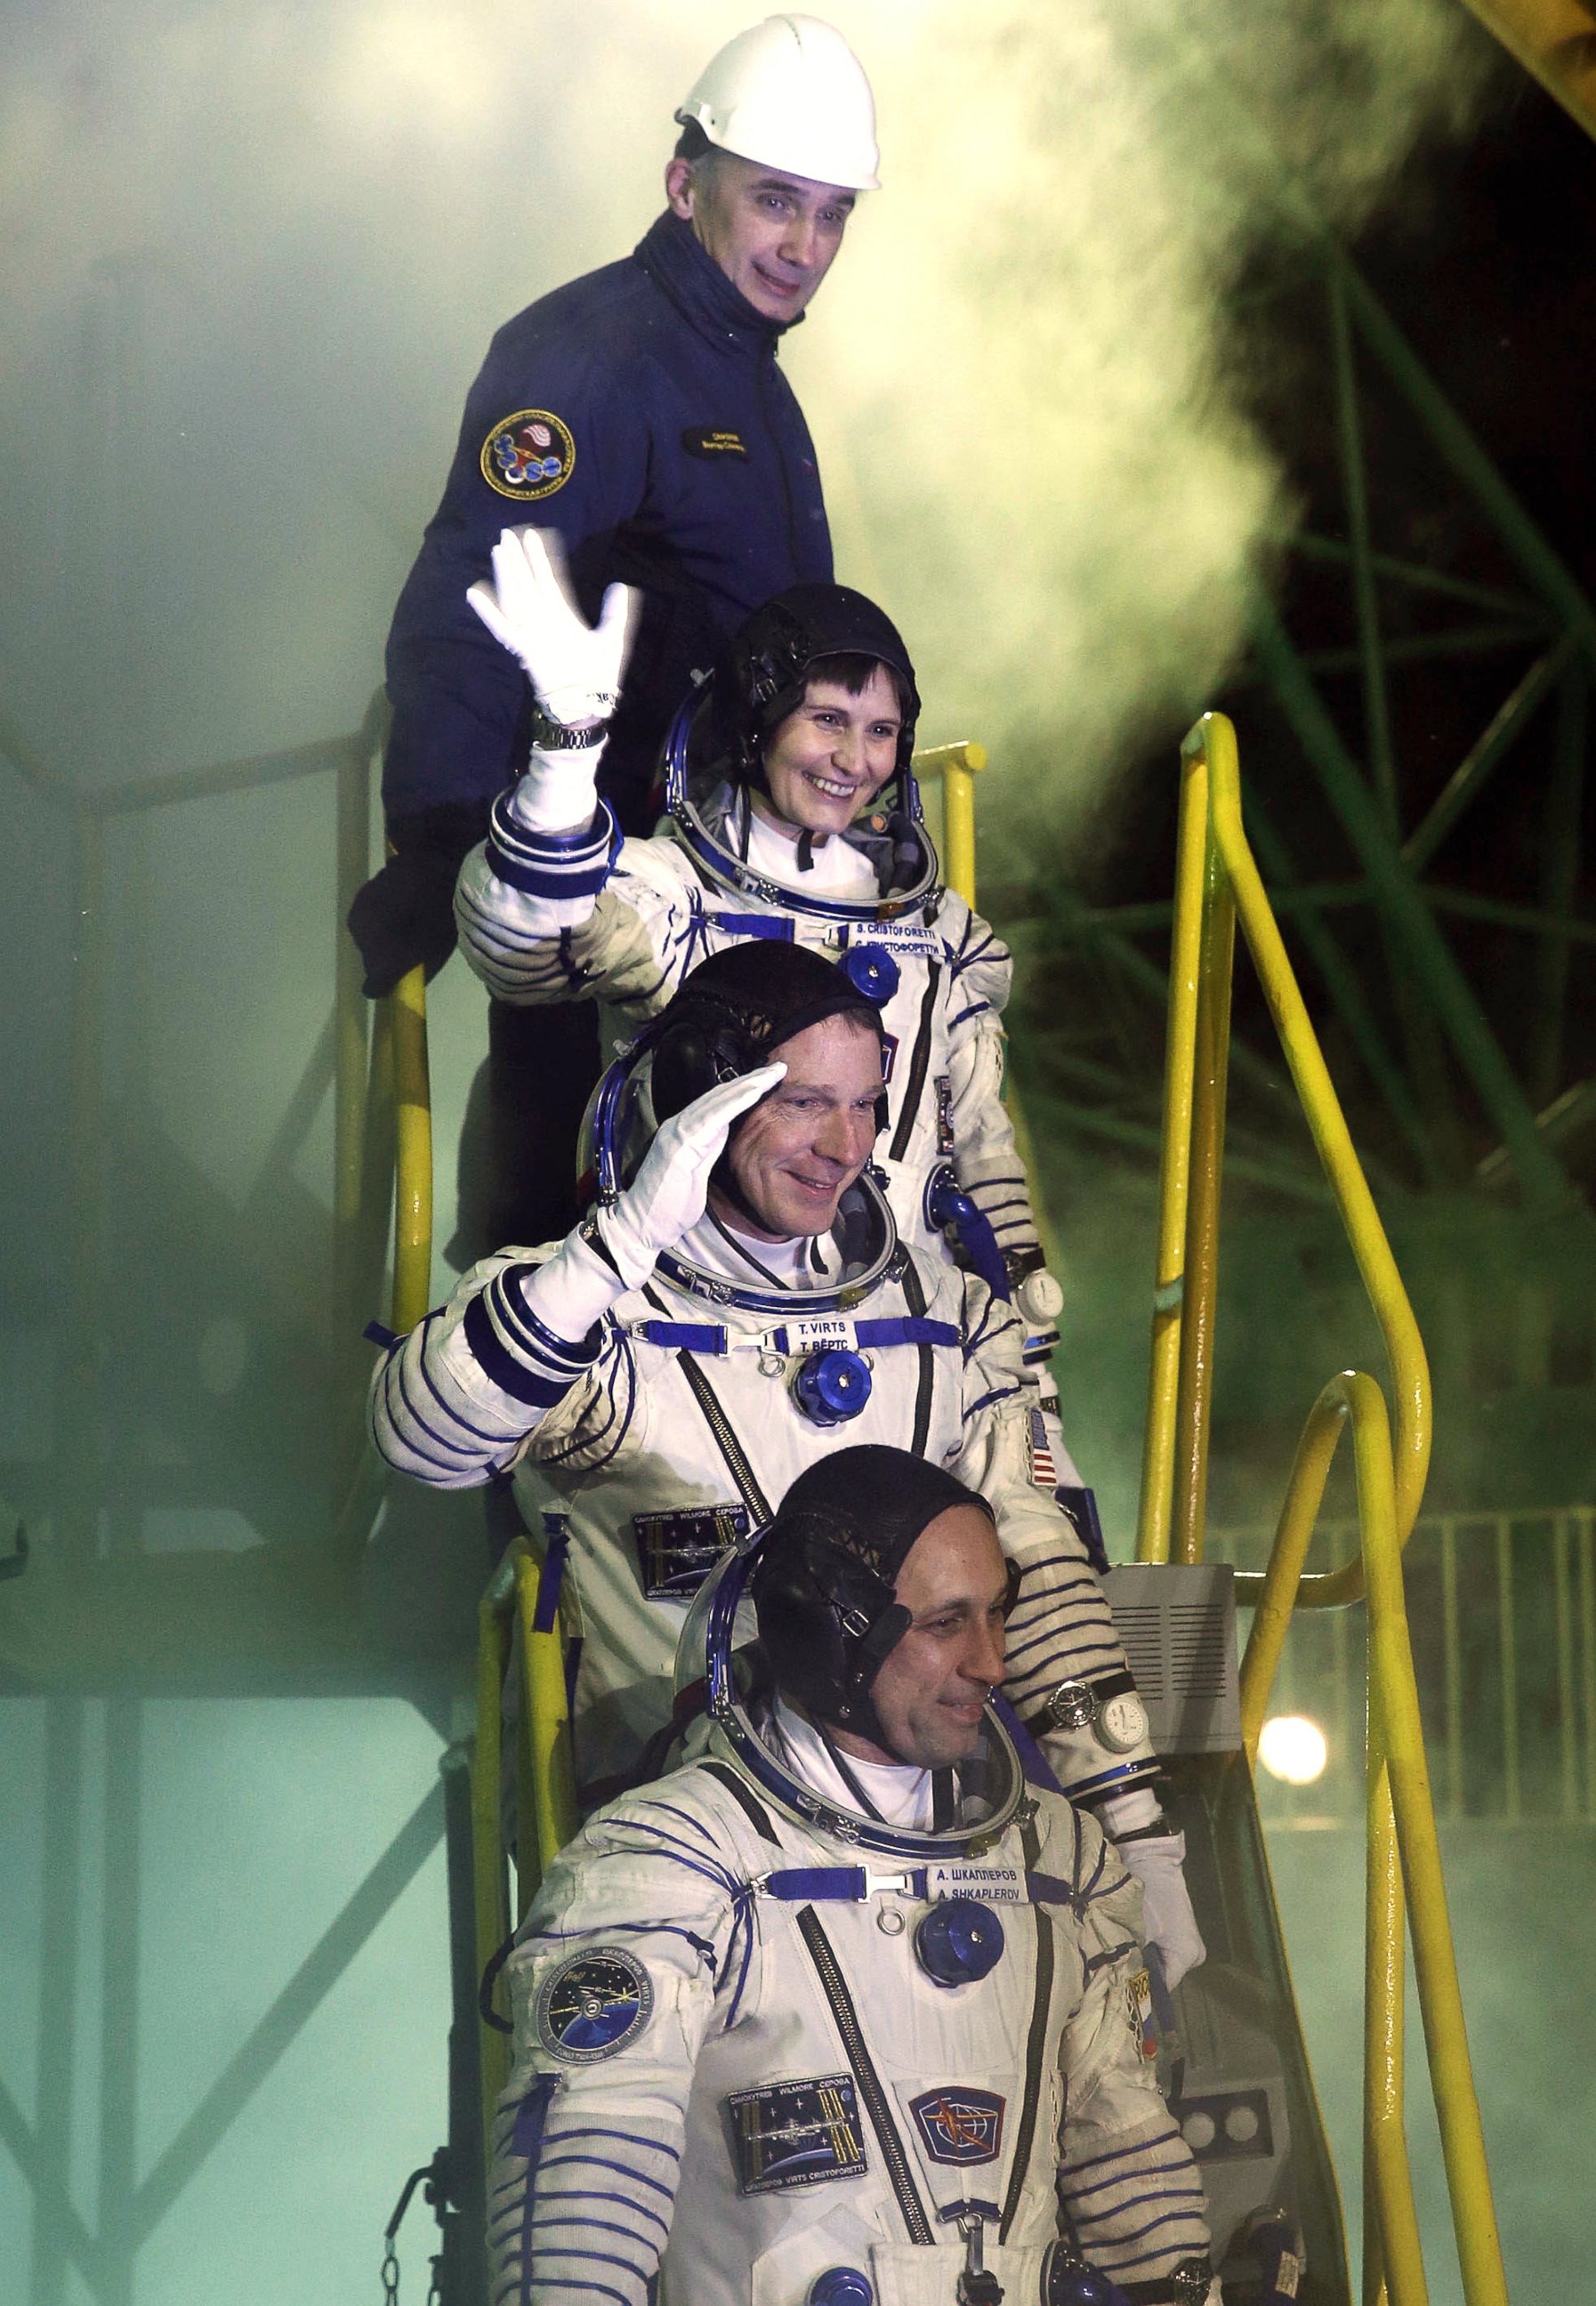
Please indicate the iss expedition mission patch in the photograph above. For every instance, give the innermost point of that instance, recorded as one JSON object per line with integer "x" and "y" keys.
{"x": 528, "y": 455}
{"x": 593, "y": 2005}
{"x": 795, "y": 2134}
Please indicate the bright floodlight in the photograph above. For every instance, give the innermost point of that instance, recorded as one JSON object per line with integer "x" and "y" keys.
{"x": 1292, "y": 1748}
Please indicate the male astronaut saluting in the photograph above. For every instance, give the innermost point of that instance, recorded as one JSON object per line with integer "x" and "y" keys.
{"x": 820, "y": 2020}
{"x": 736, "y": 1295}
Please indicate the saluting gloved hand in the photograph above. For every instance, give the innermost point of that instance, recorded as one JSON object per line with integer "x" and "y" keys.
{"x": 1168, "y": 1922}
{"x": 669, "y": 1190}
{"x": 585, "y": 1276}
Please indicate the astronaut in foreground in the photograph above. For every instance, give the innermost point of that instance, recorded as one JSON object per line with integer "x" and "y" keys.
{"x": 821, "y": 2019}
{"x": 736, "y": 1296}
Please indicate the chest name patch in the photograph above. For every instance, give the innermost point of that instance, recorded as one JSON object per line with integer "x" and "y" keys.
{"x": 528, "y": 455}
{"x": 593, "y": 2005}
{"x": 995, "y": 1885}
{"x": 960, "y": 2125}
{"x": 795, "y": 2134}
{"x": 714, "y": 441}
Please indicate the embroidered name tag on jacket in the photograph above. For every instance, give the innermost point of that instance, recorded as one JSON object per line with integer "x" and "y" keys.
{"x": 993, "y": 1885}
{"x": 713, "y": 440}
{"x": 795, "y": 2134}
{"x": 676, "y": 1551}
{"x": 960, "y": 2125}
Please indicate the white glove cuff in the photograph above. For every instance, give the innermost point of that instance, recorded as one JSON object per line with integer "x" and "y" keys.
{"x": 1124, "y": 1813}
{"x": 573, "y": 1290}
{"x": 559, "y": 792}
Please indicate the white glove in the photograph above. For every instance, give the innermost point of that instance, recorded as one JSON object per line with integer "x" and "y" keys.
{"x": 575, "y": 668}
{"x": 670, "y": 1189}
{"x": 1168, "y": 1921}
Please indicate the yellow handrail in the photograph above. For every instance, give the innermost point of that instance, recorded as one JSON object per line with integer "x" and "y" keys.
{"x": 1403, "y": 1865}
{"x": 413, "y": 1166}
{"x": 957, "y": 765}
{"x": 1217, "y": 884}
{"x": 546, "y": 1814}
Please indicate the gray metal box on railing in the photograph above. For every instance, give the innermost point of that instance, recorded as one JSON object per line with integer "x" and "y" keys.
{"x": 1178, "y": 1624}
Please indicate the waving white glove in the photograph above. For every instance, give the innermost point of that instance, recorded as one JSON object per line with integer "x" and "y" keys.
{"x": 1168, "y": 1921}
{"x": 670, "y": 1189}
{"x": 574, "y": 667}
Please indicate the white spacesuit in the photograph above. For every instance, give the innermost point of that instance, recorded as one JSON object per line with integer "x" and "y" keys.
{"x": 783, "y": 2039}
{"x": 554, "y": 907}
{"x": 669, "y": 1413}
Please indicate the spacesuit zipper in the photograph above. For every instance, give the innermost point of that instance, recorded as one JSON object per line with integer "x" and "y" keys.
{"x": 835, "y": 1989}
{"x": 726, "y": 1440}
{"x": 914, "y": 1087}
{"x": 1042, "y": 2001}
{"x": 915, "y": 1298}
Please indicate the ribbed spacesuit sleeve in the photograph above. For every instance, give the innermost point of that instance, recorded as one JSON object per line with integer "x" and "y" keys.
{"x": 453, "y": 1401}
{"x": 1061, "y": 1628}
{"x": 548, "y": 917}
{"x": 635, "y": 1947}
{"x": 1130, "y": 2187}
{"x": 985, "y": 1160}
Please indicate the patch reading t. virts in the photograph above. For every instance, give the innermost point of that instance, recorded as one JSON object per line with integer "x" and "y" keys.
{"x": 528, "y": 455}
{"x": 960, "y": 2125}
{"x": 714, "y": 441}
{"x": 676, "y": 1551}
{"x": 593, "y": 2005}
{"x": 795, "y": 2134}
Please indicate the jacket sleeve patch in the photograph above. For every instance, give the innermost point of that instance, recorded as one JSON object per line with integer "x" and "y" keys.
{"x": 528, "y": 455}
{"x": 593, "y": 2005}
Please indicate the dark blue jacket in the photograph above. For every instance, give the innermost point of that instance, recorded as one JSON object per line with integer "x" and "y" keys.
{"x": 639, "y": 411}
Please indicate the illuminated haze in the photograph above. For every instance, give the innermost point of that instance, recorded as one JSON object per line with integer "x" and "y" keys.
{"x": 255, "y": 255}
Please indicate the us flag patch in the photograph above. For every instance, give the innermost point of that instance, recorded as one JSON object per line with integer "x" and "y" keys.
{"x": 1043, "y": 1472}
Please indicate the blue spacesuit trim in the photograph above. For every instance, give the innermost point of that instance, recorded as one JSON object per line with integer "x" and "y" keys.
{"x": 1169, "y": 2137}
{"x": 1141, "y": 2202}
{"x": 993, "y": 1393}
{"x": 777, "y": 929}
{"x": 621, "y": 2169}
{"x": 510, "y": 1374}
{"x": 976, "y": 1009}
{"x": 684, "y": 1337}
{"x": 448, "y": 1450}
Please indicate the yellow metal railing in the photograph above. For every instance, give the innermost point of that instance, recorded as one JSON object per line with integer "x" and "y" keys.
{"x": 545, "y": 1788}
{"x": 1217, "y": 884}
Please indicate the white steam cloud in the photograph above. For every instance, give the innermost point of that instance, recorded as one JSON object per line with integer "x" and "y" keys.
{"x": 253, "y": 255}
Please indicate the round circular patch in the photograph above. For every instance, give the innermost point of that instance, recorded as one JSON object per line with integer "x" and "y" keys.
{"x": 530, "y": 454}
{"x": 593, "y": 2004}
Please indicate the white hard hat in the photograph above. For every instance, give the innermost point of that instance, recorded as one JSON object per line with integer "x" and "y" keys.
{"x": 792, "y": 94}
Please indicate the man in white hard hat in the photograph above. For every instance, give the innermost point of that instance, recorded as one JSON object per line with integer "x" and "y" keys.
{"x": 639, "y": 412}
